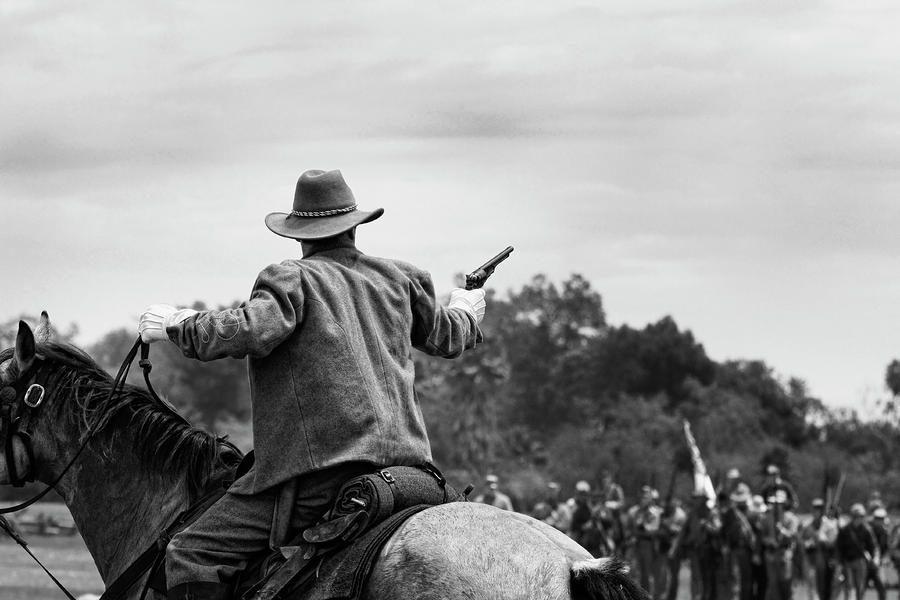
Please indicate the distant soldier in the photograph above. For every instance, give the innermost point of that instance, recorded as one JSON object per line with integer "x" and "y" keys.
{"x": 550, "y": 509}
{"x": 725, "y": 581}
{"x": 757, "y": 517}
{"x": 894, "y": 547}
{"x": 818, "y": 538}
{"x": 613, "y": 499}
{"x": 878, "y": 523}
{"x": 856, "y": 549}
{"x": 700, "y": 542}
{"x": 644, "y": 525}
{"x": 582, "y": 512}
{"x": 875, "y": 501}
{"x": 775, "y": 483}
{"x": 671, "y": 522}
{"x": 732, "y": 481}
{"x": 741, "y": 539}
{"x": 493, "y": 495}
{"x": 611, "y": 493}
{"x": 779, "y": 538}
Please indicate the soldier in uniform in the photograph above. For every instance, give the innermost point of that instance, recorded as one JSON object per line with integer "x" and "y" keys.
{"x": 671, "y": 522}
{"x": 544, "y": 508}
{"x": 757, "y": 517}
{"x": 493, "y": 496}
{"x": 329, "y": 338}
{"x": 878, "y": 523}
{"x": 856, "y": 549}
{"x": 552, "y": 511}
{"x": 817, "y": 539}
{"x": 732, "y": 481}
{"x": 613, "y": 498}
{"x": 582, "y": 512}
{"x": 741, "y": 539}
{"x": 779, "y": 538}
{"x": 774, "y": 483}
{"x": 700, "y": 542}
{"x": 644, "y": 523}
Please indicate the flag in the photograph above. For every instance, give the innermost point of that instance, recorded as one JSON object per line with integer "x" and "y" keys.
{"x": 702, "y": 481}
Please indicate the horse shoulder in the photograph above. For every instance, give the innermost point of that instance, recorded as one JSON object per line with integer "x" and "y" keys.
{"x": 471, "y": 551}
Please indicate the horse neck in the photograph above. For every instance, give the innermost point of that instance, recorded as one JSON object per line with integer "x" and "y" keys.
{"x": 119, "y": 506}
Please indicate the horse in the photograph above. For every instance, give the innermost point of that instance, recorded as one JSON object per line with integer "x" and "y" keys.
{"x": 142, "y": 466}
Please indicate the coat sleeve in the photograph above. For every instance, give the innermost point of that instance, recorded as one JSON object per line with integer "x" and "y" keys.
{"x": 438, "y": 330}
{"x": 254, "y": 328}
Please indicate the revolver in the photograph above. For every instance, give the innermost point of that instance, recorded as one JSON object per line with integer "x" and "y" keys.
{"x": 479, "y": 276}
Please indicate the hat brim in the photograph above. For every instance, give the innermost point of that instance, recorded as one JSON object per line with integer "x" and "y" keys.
{"x": 317, "y": 228}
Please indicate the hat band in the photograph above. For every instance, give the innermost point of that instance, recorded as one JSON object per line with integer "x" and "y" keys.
{"x": 322, "y": 213}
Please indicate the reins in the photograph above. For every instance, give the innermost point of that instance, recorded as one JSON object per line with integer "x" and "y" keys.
{"x": 117, "y": 384}
{"x": 119, "y": 381}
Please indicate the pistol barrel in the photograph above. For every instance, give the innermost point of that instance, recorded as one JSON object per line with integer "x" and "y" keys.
{"x": 479, "y": 276}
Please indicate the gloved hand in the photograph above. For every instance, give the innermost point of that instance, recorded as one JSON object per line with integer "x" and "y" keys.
{"x": 157, "y": 317}
{"x": 471, "y": 301}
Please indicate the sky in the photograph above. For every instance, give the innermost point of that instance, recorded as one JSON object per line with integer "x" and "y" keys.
{"x": 731, "y": 164}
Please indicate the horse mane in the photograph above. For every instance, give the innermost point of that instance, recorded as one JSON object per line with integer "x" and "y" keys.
{"x": 164, "y": 443}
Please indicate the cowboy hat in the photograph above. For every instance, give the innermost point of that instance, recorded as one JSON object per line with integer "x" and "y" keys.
{"x": 323, "y": 207}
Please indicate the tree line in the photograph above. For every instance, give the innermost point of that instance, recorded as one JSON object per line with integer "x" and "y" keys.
{"x": 557, "y": 393}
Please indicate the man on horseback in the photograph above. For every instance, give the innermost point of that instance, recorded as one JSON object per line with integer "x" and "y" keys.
{"x": 329, "y": 339}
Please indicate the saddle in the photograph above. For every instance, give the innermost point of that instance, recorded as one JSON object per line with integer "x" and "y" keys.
{"x": 333, "y": 559}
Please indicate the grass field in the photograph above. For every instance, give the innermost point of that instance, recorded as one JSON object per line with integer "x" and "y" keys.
{"x": 68, "y": 559}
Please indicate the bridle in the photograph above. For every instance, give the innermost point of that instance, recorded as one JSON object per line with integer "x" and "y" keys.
{"x": 17, "y": 411}
{"x": 16, "y": 414}
{"x": 12, "y": 428}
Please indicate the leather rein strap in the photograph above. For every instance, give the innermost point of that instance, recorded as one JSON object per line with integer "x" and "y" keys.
{"x": 117, "y": 385}
{"x": 151, "y": 558}
{"x": 119, "y": 381}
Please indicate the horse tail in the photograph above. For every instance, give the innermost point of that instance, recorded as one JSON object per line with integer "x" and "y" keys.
{"x": 604, "y": 579}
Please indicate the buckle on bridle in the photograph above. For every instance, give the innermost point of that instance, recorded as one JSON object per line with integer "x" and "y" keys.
{"x": 39, "y": 389}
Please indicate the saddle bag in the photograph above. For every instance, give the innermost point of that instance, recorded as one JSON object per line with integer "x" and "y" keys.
{"x": 375, "y": 504}
{"x": 369, "y": 499}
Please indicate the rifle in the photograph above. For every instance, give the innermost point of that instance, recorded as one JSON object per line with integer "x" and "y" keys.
{"x": 777, "y": 516}
{"x": 479, "y": 276}
{"x": 670, "y": 491}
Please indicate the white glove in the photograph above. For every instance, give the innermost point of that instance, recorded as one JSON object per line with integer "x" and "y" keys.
{"x": 471, "y": 301}
{"x": 157, "y": 317}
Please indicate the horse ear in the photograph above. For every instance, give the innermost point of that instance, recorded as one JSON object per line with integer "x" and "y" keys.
{"x": 43, "y": 331}
{"x": 25, "y": 347}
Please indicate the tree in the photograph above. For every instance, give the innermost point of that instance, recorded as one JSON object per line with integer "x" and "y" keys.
{"x": 658, "y": 359}
{"x": 892, "y": 377}
{"x": 783, "y": 409}
{"x": 543, "y": 329}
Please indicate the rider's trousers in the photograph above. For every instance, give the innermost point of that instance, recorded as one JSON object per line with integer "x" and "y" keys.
{"x": 219, "y": 544}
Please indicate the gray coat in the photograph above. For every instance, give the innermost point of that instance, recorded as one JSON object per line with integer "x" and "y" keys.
{"x": 330, "y": 340}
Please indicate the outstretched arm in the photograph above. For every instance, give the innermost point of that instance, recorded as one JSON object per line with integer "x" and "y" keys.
{"x": 445, "y": 330}
{"x": 254, "y": 328}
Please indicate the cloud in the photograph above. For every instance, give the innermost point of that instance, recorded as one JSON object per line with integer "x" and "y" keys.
{"x": 689, "y": 158}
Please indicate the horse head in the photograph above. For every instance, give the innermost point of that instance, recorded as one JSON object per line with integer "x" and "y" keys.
{"x": 22, "y": 394}
{"x": 58, "y": 399}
